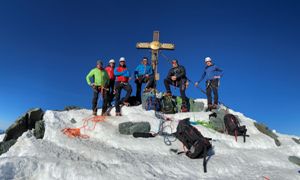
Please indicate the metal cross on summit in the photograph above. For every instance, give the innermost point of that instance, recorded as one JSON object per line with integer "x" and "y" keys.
{"x": 155, "y": 47}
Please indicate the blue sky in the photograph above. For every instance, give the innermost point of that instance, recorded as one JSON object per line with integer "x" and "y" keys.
{"x": 48, "y": 47}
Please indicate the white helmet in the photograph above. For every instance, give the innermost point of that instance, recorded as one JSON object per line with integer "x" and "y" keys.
{"x": 207, "y": 59}
{"x": 122, "y": 59}
{"x": 111, "y": 61}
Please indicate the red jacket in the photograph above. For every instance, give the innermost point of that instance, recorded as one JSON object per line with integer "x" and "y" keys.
{"x": 121, "y": 78}
{"x": 110, "y": 72}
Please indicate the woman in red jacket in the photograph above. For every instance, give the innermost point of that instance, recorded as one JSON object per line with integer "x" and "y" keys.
{"x": 110, "y": 71}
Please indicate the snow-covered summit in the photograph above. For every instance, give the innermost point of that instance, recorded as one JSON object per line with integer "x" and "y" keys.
{"x": 110, "y": 155}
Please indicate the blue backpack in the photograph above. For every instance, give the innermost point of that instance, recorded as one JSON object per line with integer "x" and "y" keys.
{"x": 152, "y": 103}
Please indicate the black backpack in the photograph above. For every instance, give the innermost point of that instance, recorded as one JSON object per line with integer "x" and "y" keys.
{"x": 167, "y": 105}
{"x": 233, "y": 127}
{"x": 197, "y": 145}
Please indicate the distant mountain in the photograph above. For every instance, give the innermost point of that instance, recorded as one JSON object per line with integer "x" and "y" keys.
{"x": 2, "y": 131}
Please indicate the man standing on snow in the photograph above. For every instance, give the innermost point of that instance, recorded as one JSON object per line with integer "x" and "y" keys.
{"x": 110, "y": 71}
{"x": 212, "y": 74}
{"x": 99, "y": 85}
{"x": 177, "y": 77}
{"x": 143, "y": 74}
{"x": 122, "y": 78}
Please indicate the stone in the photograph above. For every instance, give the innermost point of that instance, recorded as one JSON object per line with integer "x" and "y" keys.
{"x": 296, "y": 140}
{"x": 68, "y": 108}
{"x": 295, "y": 160}
{"x": 265, "y": 130}
{"x": 33, "y": 116}
{"x": 4, "y": 146}
{"x": 39, "y": 129}
{"x": 17, "y": 128}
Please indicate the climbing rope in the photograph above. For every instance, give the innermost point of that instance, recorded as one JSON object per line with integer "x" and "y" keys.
{"x": 75, "y": 132}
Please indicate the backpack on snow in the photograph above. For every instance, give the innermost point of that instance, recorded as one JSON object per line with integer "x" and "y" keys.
{"x": 233, "y": 127}
{"x": 152, "y": 103}
{"x": 167, "y": 105}
{"x": 197, "y": 145}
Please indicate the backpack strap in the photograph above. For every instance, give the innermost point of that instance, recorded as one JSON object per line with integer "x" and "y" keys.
{"x": 205, "y": 160}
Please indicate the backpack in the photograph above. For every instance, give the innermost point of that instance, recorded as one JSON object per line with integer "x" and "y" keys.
{"x": 167, "y": 105}
{"x": 233, "y": 127}
{"x": 152, "y": 103}
{"x": 179, "y": 106}
{"x": 197, "y": 145}
{"x": 145, "y": 96}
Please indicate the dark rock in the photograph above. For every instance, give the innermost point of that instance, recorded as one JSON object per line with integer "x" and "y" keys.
{"x": 73, "y": 121}
{"x": 4, "y": 146}
{"x": 216, "y": 120}
{"x": 265, "y": 130}
{"x": 68, "y": 108}
{"x": 296, "y": 140}
{"x": 23, "y": 124}
{"x": 34, "y": 115}
{"x": 17, "y": 129}
{"x": 39, "y": 129}
{"x": 295, "y": 160}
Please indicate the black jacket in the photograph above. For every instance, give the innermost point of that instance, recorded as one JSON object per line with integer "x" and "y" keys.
{"x": 178, "y": 71}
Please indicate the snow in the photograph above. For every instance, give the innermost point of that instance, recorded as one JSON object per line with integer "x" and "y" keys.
{"x": 110, "y": 155}
{"x": 2, "y": 137}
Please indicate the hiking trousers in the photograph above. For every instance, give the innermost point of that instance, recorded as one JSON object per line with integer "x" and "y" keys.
{"x": 142, "y": 79}
{"x": 98, "y": 90}
{"x": 118, "y": 88}
{"x": 212, "y": 86}
{"x": 182, "y": 87}
{"x": 111, "y": 91}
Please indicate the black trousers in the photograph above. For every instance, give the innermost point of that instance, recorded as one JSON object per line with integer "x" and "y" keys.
{"x": 118, "y": 87}
{"x": 97, "y": 91}
{"x": 111, "y": 91}
{"x": 142, "y": 79}
{"x": 212, "y": 86}
{"x": 182, "y": 87}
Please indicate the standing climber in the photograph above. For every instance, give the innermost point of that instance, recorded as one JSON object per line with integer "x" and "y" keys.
{"x": 110, "y": 71}
{"x": 143, "y": 74}
{"x": 99, "y": 85}
{"x": 122, "y": 82}
{"x": 177, "y": 77}
{"x": 212, "y": 74}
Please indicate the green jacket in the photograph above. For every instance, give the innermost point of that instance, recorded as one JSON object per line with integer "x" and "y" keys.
{"x": 101, "y": 77}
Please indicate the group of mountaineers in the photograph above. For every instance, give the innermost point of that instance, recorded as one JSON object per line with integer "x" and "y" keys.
{"x": 109, "y": 82}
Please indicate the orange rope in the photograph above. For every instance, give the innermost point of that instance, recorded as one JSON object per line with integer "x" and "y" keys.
{"x": 75, "y": 132}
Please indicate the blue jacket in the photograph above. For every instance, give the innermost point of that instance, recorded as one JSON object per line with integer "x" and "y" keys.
{"x": 142, "y": 70}
{"x": 210, "y": 72}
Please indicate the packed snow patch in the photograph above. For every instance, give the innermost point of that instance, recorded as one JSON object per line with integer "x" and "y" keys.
{"x": 110, "y": 155}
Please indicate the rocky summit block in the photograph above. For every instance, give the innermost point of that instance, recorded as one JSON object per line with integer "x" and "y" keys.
{"x": 24, "y": 123}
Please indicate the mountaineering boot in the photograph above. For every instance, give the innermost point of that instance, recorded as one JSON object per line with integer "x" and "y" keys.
{"x": 215, "y": 106}
{"x": 209, "y": 108}
{"x": 118, "y": 114}
{"x": 105, "y": 114}
{"x": 126, "y": 104}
